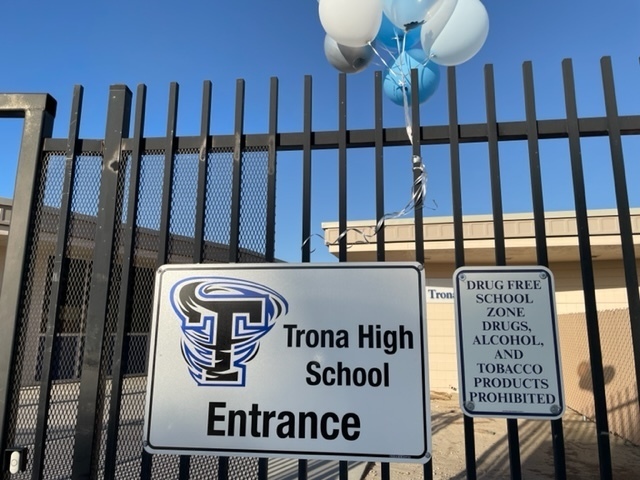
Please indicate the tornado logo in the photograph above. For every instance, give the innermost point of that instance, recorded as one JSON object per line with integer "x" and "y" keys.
{"x": 222, "y": 320}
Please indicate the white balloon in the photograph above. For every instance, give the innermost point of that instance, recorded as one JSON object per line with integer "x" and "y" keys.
{"x": 463, "y": 35}
{"x": 434, "y": 25}
{"x": 352, "y": 23}
{"x": 446, "y": 5}
{"x": 347, "y": 59}
{"x": 410, "y": 14}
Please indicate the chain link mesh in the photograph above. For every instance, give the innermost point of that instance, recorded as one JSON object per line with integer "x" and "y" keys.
{"x": 183, "y": 206}
{"x": 146, "y": 243}
{"x": 76, "y": 282}
{"x": 68, "y": 348}
{"x": 204, "y": 467}
{"x": 245, "y": 468}
{"x": 66, "y": 357}
{"x": 217, "y": 221}
{"x": 253, "y": 205}
{"x": 23, "y": 408}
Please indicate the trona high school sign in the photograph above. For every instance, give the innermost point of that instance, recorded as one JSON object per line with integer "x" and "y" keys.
{"x": 290, "y": 360}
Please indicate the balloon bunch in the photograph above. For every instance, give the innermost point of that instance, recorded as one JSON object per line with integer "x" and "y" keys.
{"x": 403, "y": 34}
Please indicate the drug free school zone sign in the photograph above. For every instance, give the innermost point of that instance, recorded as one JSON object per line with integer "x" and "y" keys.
{"x": 291, "y": 360}
{"x": 508, "y": 351}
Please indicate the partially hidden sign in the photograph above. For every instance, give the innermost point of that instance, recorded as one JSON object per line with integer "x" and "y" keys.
{"x": 292, "y": 360}
{"x": 507, "y": 336}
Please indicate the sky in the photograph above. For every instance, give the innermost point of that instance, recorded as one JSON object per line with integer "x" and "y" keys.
{"x": 50, "y": 46}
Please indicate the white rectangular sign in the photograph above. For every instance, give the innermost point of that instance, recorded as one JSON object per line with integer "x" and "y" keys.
{"x": 508, "y": 352}
{"x": 291, "y": 360}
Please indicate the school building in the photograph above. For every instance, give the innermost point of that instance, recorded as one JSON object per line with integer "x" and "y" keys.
{"x": 564, "y": 262}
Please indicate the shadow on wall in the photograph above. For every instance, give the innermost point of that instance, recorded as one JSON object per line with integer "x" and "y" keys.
{"x": 586, "y": 379}
{"x": 623, "y": 410}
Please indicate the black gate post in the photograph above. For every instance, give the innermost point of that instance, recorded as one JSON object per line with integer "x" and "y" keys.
{"x": 38, "y": 111}
{"x": 120, "y": 349}
{"x": 87, "y": 427}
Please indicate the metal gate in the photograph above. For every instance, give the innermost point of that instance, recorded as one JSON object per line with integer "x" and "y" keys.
{"x": 93, "y": 219}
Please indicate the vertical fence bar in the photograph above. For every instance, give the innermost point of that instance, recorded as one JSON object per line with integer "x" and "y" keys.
{"x": 586, "y": 264}
{"x": 89, "y": 421}
{"x": 234, "y": 237}
{"x": 223, "y": 468}
{"x": 271, "y": 170}
{"x": 343, "y": 470}
{"x": 342, "y": 192}
{"x": 498, "y": 228}
{"x": 456, "y": 183}
{"x": 416, "y": 151}
{"x": 417, "y": 165}
{"x": 385, "y": 472}
{"x": 183, "y": 468}
{"x": 38, "y": 112}
{"x": 165, "y": 213}
{"x": 263, "y": 463}
{"x": 534, "y": 166}
{"x": 263, "y": 469}
{"x": 169, "y": 154}
{"x": 458, "y": 238}
{"x": 203, "y": 159}
{"x": 306, "y": 203}
{"x": 185, "y": 460}
{"x": 379, "y": 159}
{"x": 494, "y": 167}
{"x": 57, "y": 286}
{"x": 624, "y": 215}
{"x": 306, "y": 172}
{"x": 120, "y": 353}
{"x": 342, "y": 167}
{"x": 557, "y": 431}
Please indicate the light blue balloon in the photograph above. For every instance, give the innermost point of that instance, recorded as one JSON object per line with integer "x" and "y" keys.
{"x": 397, "y": 80}
{"x": 407, "y": 14}
{"x": 392, "y": 36}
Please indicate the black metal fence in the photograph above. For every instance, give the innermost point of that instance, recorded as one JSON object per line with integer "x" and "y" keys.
{"x": 93, "y": 219}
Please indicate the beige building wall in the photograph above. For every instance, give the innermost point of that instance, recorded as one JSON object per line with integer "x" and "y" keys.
{"x": 611, "y": 291}
{"x": 441, "y": 335}
{"x": 439, "y": 249}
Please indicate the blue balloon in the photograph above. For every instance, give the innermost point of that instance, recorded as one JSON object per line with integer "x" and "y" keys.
{"x": 392, "y": 36}
{"x": 397, "y": 81}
